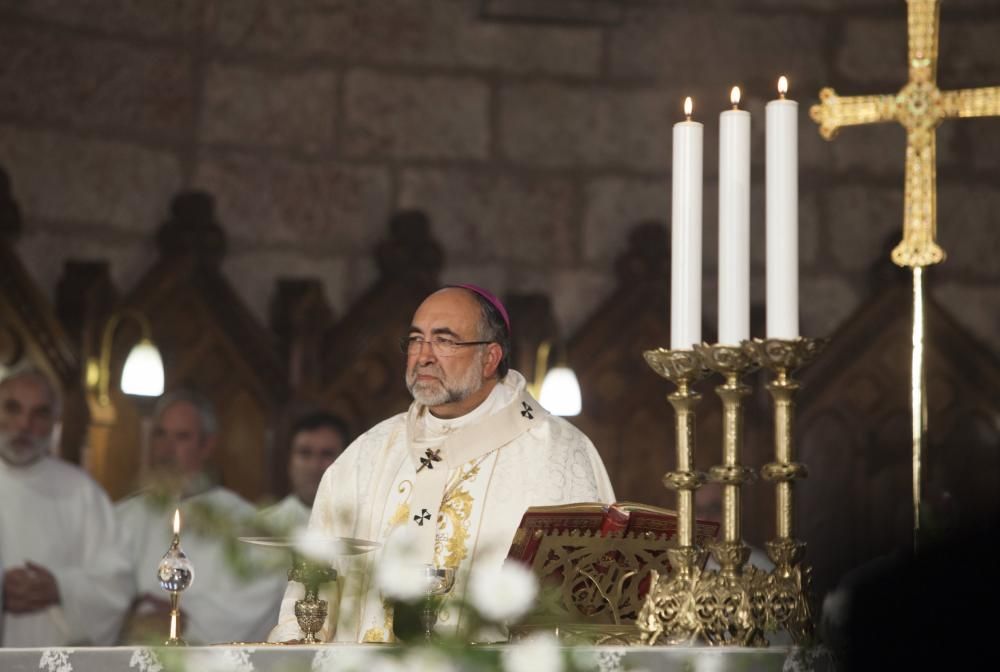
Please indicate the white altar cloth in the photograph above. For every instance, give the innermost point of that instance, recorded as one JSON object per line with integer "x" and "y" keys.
{"x": 265, "y": 658}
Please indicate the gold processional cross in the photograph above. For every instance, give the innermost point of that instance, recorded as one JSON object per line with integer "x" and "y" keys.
{"x": 920, "y": 107}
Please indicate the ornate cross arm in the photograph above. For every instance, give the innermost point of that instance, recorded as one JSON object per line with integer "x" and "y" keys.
{"x": 983, "y": 102}
{"x": 834, "y": 112}
{"x": 922, "y": 24}
{"x": 918, "y": 247}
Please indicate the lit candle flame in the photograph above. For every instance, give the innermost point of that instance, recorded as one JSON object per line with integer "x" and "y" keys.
{"x": 734, "y": 96}
{"x": 782, "y": 86}
{"x": 688, "y": 107}
{"x": 177, "y": 521}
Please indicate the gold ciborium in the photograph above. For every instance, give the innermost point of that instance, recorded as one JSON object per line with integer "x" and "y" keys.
{"x": 310, "y": 611}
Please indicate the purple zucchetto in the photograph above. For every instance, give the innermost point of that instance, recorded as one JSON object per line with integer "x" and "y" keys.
{"x": 493, "y": 301}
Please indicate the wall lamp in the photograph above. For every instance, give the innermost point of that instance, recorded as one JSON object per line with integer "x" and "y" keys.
{"x": 142, "y": 374}
{"x": 557, "y": 389}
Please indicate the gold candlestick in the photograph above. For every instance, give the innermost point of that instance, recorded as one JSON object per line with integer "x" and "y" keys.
{"x": 787, "y": 587}
{"x": 731, "y": 604}
{"x": 733, "y": 363}
{"x": 670, "y": 611}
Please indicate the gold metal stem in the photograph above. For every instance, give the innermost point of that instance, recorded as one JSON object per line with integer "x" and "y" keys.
{"x": 174, "y": 614}
{"x": 782, "y": 389}
{"x": 684, "y": 400}
{"x": 918, "y": 395}
{"x": 732, "y": 394}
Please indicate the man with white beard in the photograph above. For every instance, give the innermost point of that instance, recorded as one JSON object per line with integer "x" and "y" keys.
{"x": 456, "y": 472}
{"x": 63, "y": 582}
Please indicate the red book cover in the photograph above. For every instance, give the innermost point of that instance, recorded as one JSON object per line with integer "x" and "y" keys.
{"x": 541, "y": 520}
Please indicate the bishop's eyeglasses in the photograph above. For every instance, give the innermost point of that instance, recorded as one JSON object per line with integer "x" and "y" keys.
{"x": 441, "y": 346}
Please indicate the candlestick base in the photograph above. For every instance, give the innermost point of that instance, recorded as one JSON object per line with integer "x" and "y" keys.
{"x": 670, "y": 614}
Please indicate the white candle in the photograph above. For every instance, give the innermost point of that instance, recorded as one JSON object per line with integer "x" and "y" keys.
{"x": 782, "y": 216}
{"x": 734, "y": 224}
{"x": 685, "y": 243}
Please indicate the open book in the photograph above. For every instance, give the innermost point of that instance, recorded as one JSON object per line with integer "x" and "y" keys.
{"x": 621, "y": 519}
{"x": 593, "y": 560}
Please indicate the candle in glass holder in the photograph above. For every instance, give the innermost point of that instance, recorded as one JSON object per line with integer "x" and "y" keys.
{"x": 175, "y": 574}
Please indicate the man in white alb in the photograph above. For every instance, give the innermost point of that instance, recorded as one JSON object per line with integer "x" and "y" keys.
{"x": 63, "y": 581}
{"x": 318, "y": 438}
{"x": 221, "y": 605}
{"x": 459, "y": 468}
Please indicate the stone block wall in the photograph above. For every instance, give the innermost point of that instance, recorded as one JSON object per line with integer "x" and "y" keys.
{"x": 534, "y": 134}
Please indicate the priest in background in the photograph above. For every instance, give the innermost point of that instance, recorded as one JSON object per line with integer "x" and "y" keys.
{"x": 223, "y": 604}
{"x": 63, "y": 581}
{"x": 318, "y": 438}
{"x": 457, "y": 470}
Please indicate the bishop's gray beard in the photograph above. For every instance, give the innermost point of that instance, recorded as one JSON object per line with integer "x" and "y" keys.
{"x": 19, "y": 450}
{"x": 441, "y": 391}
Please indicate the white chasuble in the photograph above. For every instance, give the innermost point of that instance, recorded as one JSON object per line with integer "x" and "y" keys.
{"x": 460, "y": 484}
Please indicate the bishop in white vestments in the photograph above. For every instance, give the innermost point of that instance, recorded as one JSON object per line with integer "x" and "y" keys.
{"x": 63, "y": 581}
{"x": 459, "y": 468}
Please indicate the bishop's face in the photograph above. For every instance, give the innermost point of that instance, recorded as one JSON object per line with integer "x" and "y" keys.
{"x": 27, "y": 417}
{"x": 450, "y": 384}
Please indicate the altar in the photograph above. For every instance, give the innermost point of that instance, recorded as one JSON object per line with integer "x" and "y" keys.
{"x": 344, "y": 657}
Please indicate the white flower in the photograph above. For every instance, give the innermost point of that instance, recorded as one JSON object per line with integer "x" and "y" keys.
{"x": 399, "y": 574}
{"x": 537, "y": 653}
{"x": 423, "y": 659}
{"x": 503, "y": 594}
{"x": 316, "y": 546}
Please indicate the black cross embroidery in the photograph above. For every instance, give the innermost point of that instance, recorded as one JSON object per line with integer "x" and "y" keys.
{"x": 526, "y": 410}
{"x": 432, "y": 457}
{"x": 421, "y": 517}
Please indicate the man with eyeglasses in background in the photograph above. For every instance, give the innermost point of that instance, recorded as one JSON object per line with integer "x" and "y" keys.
{"x": 454, "y": 474}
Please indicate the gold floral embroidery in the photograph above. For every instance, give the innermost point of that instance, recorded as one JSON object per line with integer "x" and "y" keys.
{"x": 373, "y": 635}
{"x": 402, "y": 513}
{"x": 450, "y": 544}
{"x": 383, "y": 634}
{"x": 401, "y": 516}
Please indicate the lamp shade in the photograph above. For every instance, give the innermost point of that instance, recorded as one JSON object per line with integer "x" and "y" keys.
{"x": 560, "y": 393}
{"x": 143, "y": 371}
